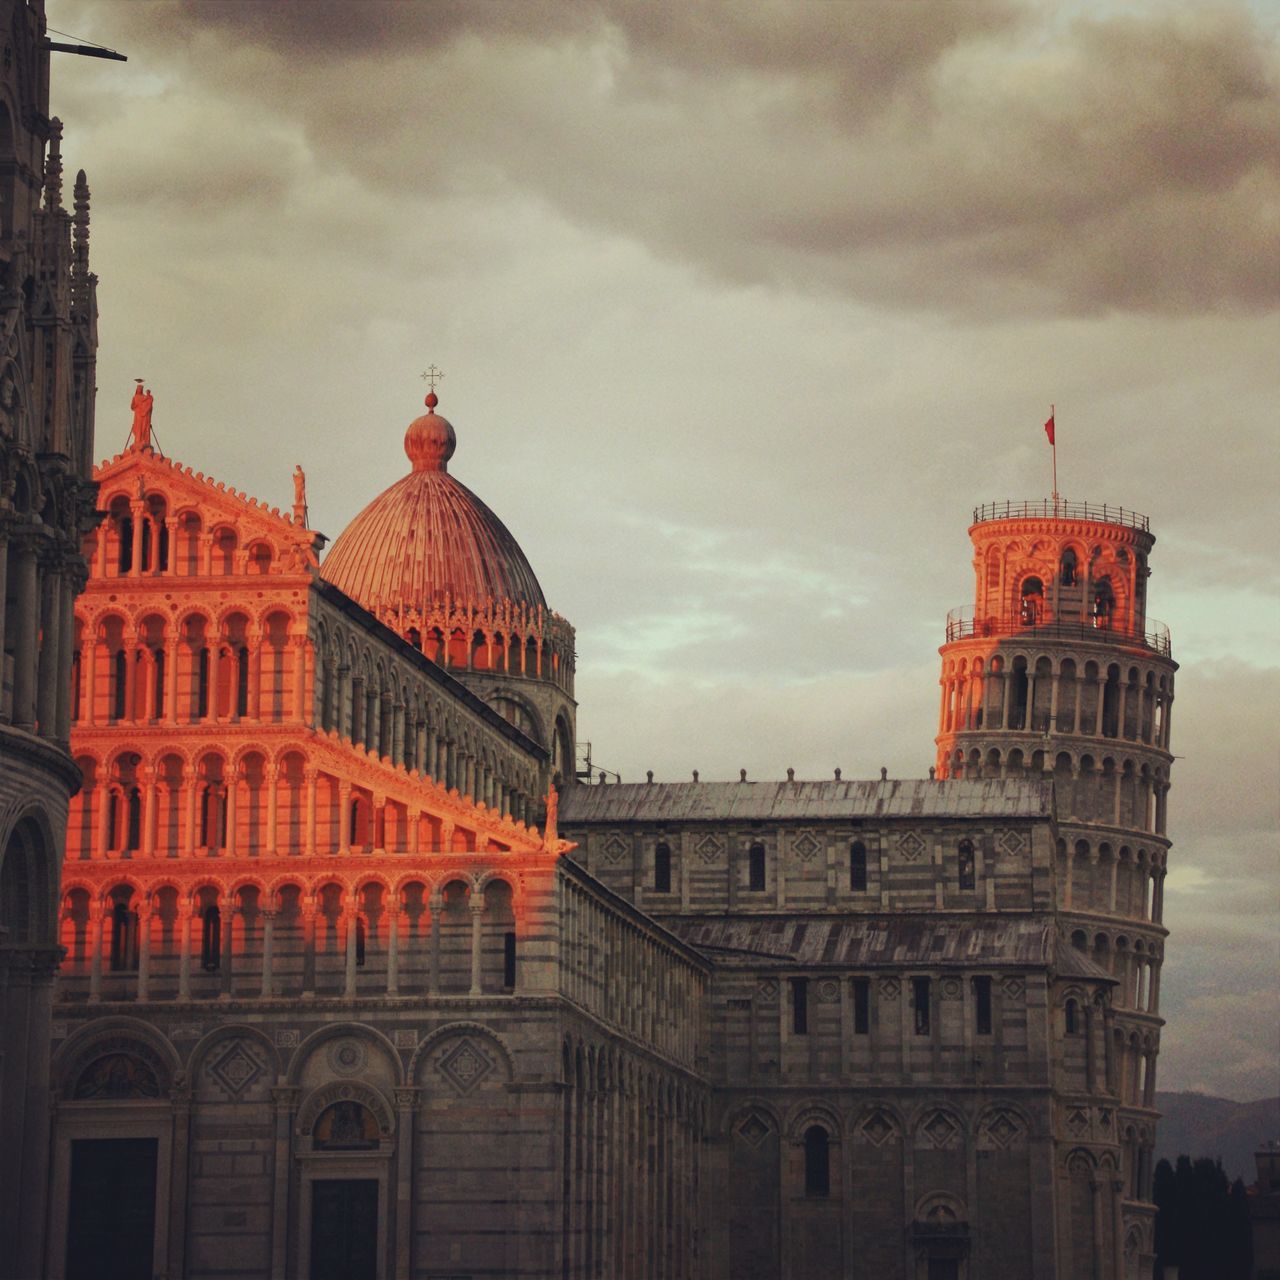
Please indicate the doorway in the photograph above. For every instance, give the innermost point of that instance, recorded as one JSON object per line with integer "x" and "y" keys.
{"x": 344, "y": 1229}
{"x": 111, "y": 1214}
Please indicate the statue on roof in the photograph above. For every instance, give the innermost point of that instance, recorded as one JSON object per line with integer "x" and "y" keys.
{"x": 141, "y": 406}
{"x": 550, "y": 841}
{"x": 299, "y": 495}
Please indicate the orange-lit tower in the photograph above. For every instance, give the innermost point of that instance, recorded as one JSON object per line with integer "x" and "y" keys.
{"x": 1058, "y": 670}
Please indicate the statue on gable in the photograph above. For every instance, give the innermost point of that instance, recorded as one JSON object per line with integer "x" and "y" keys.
{"x": 141, "y": 406}
{"x": 299, "y": 495}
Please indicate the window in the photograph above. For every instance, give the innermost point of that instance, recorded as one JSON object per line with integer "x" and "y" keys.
{"x": 134, "y": 813}
{"x": 858, "y": 867}
{"x": 920, "y": 999}
{"x": 509, "y": 960}
{"x": 121, "y": 669}
{"x": 202, "y": 685}
{"x": 211, "y": 940}
{"x": 242, "y": 681}
{"x": 1104, "y": 603}
{"x": 817, "y": 1161}
{"x": 800, "y": 1006}
{"x": 982, "y": 1005}
{"x": 158, "y": 669}
{"x": 662, "y": 869}
{"x": 360, "y": 941}
{"x": 124, "y": 938}
{"x": 1072, "y": 1018}
{"x": 862, "y": 1006}
{"x": 755, "y": 871}
{"x": 1069, "y": 568}
{"x": 1032, "y": 601}
{"x": 966, "y": 866}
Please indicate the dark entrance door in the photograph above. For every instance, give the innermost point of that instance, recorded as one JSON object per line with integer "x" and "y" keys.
{"x": 344, "y": 1229}
{"x": 111, "y": 1220}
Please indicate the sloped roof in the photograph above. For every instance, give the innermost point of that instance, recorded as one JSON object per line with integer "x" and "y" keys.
{"x": 805, "y": 801}
{"x": 923, "y": 940}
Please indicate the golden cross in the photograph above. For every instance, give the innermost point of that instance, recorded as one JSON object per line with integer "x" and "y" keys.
{"x": 432, "y": 376}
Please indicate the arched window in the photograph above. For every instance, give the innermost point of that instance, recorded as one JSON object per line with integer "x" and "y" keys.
{"x": 817, "y": 1161}
{"x": 211, "y": 939}
{"x": 662, "y": 869}
{"x": 1032, "y": 601}
{"x": 1069, "y": 568}
{"x": 124, "y": 938}
{"x": 120, "y": 673}
{"x": 1104, "y": 603}
{"x": 360, "y": 940}
{"x": 966, "y": 865}
{"x": 1072, "y": 1018}
{"x": 858, "y": 867}
{"x": 755, "y": 869}
{"x": 133, "y": 832}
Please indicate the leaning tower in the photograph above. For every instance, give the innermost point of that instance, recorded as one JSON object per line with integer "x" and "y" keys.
{"x": 1058, "y": 671}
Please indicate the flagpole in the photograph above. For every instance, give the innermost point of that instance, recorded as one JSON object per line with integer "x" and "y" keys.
{"x": 1053, "y": 417}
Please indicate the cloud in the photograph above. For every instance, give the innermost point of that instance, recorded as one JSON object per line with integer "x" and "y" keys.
{"x": 983, "y": 159}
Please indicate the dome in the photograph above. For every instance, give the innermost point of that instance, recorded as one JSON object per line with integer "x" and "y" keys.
{"x": 428, "y": 537}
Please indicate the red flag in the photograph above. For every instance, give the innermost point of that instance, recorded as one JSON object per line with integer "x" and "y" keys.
{"x": 1048, "y": 429}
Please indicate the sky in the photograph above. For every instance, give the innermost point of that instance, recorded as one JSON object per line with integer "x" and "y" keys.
{"x": 742, "y": 309}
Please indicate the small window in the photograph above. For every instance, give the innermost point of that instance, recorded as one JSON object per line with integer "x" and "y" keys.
{"x": 755, "y": 871}
{"x": 1072, "y": 1017}
{"x": 211, "y": 940}
{"x": 509, "y": 960}
{"x": 858, "y": 867}
{"x": 862, "y": 1006}
{"x": 982, "y": 1005}
{"x": 817, "y": 1161}
{"x": 1032, "y": 601}
{"x": 133, "y": 836}
{"x": 800, "y": 1006}
{"x": 1069, "y": 567}
{"x": 966, "y": 864}
{"x": 360, "y": 940}
{"x": 662, "y": 869}
{"x": 920, "y": 999}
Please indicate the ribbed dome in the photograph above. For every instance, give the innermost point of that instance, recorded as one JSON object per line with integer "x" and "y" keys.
{"x": 428, "y": 537}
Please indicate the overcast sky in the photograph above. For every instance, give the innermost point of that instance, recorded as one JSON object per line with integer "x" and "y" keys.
{"x": 742, "y": 308}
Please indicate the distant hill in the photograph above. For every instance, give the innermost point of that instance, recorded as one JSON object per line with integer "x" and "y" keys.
{"x": 1196, "y": 1124}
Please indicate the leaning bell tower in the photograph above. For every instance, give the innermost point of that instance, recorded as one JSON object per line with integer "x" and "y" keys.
{"x": 1057, "y": 671}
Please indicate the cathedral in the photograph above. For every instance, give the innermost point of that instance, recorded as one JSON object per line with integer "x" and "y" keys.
{"x": 362, "y": 978}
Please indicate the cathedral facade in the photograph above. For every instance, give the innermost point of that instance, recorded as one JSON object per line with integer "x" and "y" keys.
{"x": 362, "y": 980}
{"x": 48, "y": 341}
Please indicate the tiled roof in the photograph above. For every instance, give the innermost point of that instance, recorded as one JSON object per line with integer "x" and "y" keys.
{"x": 916, "y": 940}
{"x": 804, "y": 801}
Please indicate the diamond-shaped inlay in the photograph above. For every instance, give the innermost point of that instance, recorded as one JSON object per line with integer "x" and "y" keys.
{"x": 889, "y": 988}
{"x": 1010, "y": 842}
{"x": 236, "y": 1068}
{"x": 1078, "y": 1121}
{"x": 910, "y": 846}
{"x": 1012, "y": 987}
{"x": 615, "y": 847}
{"x": 805, "y": 845}
{"x": 940, "y": 1129}
{"x": 753, "y": 1130}
{"x": 877, "y": 1128}
{"x": 709, "y": 848}
{"x": 464, "y": 1066}
{"x": 768, "y": 987}
{"x": 1003, "y": 1129}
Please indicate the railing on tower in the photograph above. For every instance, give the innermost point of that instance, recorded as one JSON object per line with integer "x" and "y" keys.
{"x": 963, "y": 625}
{"x": 1050, "y": 508}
